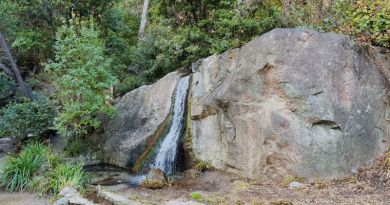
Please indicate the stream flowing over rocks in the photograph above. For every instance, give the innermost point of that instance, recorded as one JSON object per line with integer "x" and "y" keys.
{"x": 291, "y": 102}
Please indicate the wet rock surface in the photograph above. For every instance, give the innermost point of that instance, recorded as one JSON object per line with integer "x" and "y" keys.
{"x": 140, "y": 118}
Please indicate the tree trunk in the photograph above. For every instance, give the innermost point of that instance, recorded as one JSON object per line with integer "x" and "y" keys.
{"x": 143, "y": 19}
{"x": 15, "y": 70}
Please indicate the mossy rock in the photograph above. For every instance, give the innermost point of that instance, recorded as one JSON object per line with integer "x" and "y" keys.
{"x": 153, "y": 184}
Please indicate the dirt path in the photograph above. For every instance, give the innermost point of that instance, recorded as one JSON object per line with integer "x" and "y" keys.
{"x": 21, "y": 199}
{"x": 219, "y": 188}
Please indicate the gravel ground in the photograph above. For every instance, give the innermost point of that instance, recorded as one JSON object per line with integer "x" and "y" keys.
{"x": 21, "y": 199}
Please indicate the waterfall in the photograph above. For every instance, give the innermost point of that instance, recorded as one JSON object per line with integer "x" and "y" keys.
{"x": 167, "y": 154}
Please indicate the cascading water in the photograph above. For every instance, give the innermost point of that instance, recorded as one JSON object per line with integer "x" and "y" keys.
{"x": 167, "y": 154}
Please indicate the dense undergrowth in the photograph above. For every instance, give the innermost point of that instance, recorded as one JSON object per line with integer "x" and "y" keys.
{"x": 38, "y": 169}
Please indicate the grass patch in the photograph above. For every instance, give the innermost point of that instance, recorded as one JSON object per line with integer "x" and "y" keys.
{"x": 18, "y": 170}
{"x": 63, "y": 175}
{"x": 36, "y": 168}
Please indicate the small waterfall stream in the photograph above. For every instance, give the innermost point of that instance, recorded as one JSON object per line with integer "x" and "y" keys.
{"x": 167, "y": 153}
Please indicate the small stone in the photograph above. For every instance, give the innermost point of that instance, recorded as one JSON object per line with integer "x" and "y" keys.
{"x": 145, "y": 195}
{"x": 74, "y": 196}
{"x": 69, "y": 192}
{"x": 62, "y": 201}
{"x": 156, "y": 174}
{"x": 7, "y": 146}
{"x": 296, "y": 185}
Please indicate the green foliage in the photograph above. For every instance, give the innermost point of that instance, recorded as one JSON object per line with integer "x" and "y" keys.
{"x": 128, "y": 84}
{"x": 37, "y": 168}
{"x": 61, "y": 176}
{"x": 369, "y": 21}
{"x": 19, "y": 170}
{"x": 195, "y": 196}
{"x": 120, "y": 33}
{"x": 7, "y": 86}
{"x": 30, "y": 25}
{"x": 182, "y": 32}
{"x": 82, "y": 78}
{"x": 160, "y": 52}
{"x": 75, "y": 147}
{"x": 26, "y": 119}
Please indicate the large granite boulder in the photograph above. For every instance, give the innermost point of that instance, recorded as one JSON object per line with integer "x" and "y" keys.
{"x": 291, "y": 102}
{"x": 140, "y": 119}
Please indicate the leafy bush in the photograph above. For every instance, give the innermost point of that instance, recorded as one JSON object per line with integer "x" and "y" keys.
{"x": 128, "y": 84}
{"x": 7, "y": 86}
{"x": 182, "y": 32}
{"x": 160, "y": 52}
{"x": 75, "y": 147}
{"x": 19, "y": 170}
{"x": 26, "y": 119}
{"x": 369, "y": 20}
{"x": 63, "y": 175}
{"x": 120, "y": 32}
{"x": 82, "y": 78}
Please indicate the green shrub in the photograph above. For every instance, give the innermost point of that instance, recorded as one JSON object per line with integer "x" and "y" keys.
{"x": 7, "y": 86}
{"x": 75, "y": 147}
{"x": 82, "y": 77}
{"x": 128, "y": 84}
{"x": 63, "y": 175}
{"x": 369, "y": 20}
{"x": 176, "y": 38}
{"x": 18, "y": 171}
{"x": 26, "y": 119}
{"x": 195, "y": 196}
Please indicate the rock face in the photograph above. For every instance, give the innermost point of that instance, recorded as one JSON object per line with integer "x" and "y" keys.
{"x": 7, "y": 146}
{"x": 291, "y": 102}
{"x": 140, "y": 117}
